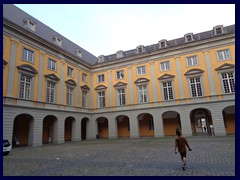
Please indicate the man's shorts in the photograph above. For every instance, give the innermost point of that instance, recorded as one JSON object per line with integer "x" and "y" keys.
{"x": 183, "y": 154}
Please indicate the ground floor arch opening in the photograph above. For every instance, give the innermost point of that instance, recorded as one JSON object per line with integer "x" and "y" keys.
{"x": 123, "y": 127}
{"x": 68, "y": 126}
{"x": 49, "y": 129}
{"x": 22, "y": 130}
{"x": 171, "y": 121}
{"x": 146, "y": 125}
{"x": 229, "y": 119}
{"x": 102, "y": 127}
{"x": 84, "y": 123}
{"x": 201, "y": 122}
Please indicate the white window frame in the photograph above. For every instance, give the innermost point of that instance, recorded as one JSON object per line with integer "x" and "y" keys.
{"x": 188, "y": 37}
{"x": 120, "y": 74}
{"x": 50, "y": 91}
{"x": 84, "y": 77}
{"x": 216, "y": 30}
{"x": 28, "y": 55}
{"x": 25, "y": 86}
{"x": 141, "y": 70}
{"x": 223, "y": 55}
{"x": 196, "y": 86}
{"x": 70, "y": 71}
{"x": 142, "y": 93}
{"x": 100, "y": 78}
{"x": 167, "y": 90}
{"x": 121, "y": 96}
{"x": 52, "y": 64}
{"x": 30, "y": 25}
{"x": 192, "y": 61}
{"x": 101, "y": 99}
{"x": 165, "y": 66}
{"x": 57, "y": 40}
{"x": 84, "y": 98}
{"x": 79, "y": 53}
{"x": 70, "y": 94}
{"x": 119, "y": 54}
{"x": 228, "y": 82}
{"x": 163, "y": 43}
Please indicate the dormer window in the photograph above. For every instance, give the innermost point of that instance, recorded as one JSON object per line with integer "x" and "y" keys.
{"x": 188, "y": 37}
{"x": 57, "y": 40}
{"x": 218, "y": 30}
{"x": 140, "y": 49}
{"x": 120, "y": 54}
{"x": 79, "y": 53}
{"x": 101, "y": 58}
{"x": 163, "y": 43}
{"x": 30, "y": 24}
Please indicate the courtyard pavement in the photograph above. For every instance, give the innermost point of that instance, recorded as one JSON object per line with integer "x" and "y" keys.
{"x": 211, "y": 156}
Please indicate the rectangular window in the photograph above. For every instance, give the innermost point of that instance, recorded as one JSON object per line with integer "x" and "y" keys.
{"x": 141, "y": 70}
{"x": 25, "y": 87}
{"x": 27, "y": 55}
{"x": 84, "y": 98}
{"x": 167, "y": 90}
{"x": 219, "y": 30}
{"x": 101, "y": 99}
{"x": 84, "y": 77}
{"x": 70, "y": 71}
{"x": 52, "y": 64}
{"x": 120, "y": 74}
{"x": 101, "y": 78}
{"x": 140, "y": 50}
{"x": 121, "y": 97}
{"x": 69, "y": 95}
{"x": 164, "y": 66}
{"x": 228, "y": 82}
{"x": 162, "y": 44}
{"x": 142, "y": 94}
{"x": 223, "y": 55}
{"x": 196, "y": 88}
{"x": 192, "y": 61}
{"x": 30, "y": 25}
{"x": 50, "y": 96}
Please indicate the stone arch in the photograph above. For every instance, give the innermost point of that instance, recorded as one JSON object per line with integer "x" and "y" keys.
{"x": 68, "y": 126}
{"x": 22, "y": 130}
{"x": 102, "y": 127}
{"x": 49, "y": 130}
{"x": 123, "y": 126}
{"x": 201, "y": 121}
{"x": 229, "y": 119}
{"x": 146, "y": 125}
{"x": 171, "y": 121}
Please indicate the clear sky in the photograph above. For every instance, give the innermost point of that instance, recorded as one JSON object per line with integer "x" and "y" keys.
{"x": 103, "y": 29}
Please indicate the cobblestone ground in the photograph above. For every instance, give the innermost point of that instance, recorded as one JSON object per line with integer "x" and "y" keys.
{"x": 211, "y": 156}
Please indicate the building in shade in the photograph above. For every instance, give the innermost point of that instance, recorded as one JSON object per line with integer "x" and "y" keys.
{"x": 55, "y": 91}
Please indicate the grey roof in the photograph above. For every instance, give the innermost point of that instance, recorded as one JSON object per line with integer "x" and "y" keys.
{"x": 172, "y": 43}
{"x": 17, "y": 16}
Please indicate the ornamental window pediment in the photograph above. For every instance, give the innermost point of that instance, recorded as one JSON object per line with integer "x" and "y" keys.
{"x": 101, "y": 87}
{"x": 120, "y": 84}
{"x": 27, "y": 68}
{"x": 193, "y": 72}
{"x": 52, "y": 77}
{"x": 141, "y": 80}
{"x": 166, "y": 77}
{"x": 71, "y": 82}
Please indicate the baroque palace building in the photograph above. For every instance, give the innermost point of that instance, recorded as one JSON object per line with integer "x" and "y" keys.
{"x": 55, "y": 91}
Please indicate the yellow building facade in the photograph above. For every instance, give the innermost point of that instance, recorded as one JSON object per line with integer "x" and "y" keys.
{"x": 55, "y": 91}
